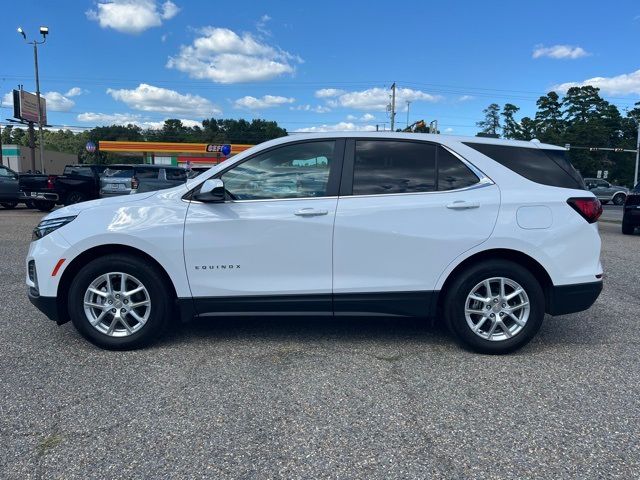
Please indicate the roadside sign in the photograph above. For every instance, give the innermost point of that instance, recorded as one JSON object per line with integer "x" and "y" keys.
{"x": 605, "y": 174}
{"x": 25, "y": 106}
{"x": 599, "y": 174}
{"x": 223, "y": 149}
{"x": 91, "y": 147}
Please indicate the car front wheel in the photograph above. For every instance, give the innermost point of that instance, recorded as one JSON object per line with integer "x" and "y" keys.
{"x": 119, "y": 302}
{"x": 494, "y": 307}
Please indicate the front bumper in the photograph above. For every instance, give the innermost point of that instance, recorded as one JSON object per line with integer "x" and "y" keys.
{"x": 47, "y": 305}
{"x": 564, "y": 299}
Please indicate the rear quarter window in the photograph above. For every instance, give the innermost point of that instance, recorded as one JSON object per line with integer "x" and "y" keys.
{"x": 544, "y": 166}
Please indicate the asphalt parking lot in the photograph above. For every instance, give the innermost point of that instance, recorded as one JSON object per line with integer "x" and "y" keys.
{"x": 317, "y": 398}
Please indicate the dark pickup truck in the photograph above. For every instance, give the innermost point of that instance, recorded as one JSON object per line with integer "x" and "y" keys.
{"x": 77, "y": 184}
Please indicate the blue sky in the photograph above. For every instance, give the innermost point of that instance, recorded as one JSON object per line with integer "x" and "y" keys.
{"x": 315, "y": 65}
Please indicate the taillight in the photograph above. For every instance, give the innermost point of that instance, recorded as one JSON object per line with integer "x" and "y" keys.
{"x": 134, "y": 183}
{"x": 51, "y": 182}
{"x": 589, "y": 208}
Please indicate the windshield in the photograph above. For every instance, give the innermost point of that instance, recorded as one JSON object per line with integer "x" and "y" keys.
{"x": 119, "y": 172}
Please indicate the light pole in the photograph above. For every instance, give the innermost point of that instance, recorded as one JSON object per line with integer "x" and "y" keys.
{"x": 635, "y": 176}
{"x": 44, "y": 31}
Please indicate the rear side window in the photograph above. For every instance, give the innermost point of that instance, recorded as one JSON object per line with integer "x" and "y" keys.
{"x": 544, "y": 166}
{"x": 452, "y": 173}
{"x": 383, "y": 166}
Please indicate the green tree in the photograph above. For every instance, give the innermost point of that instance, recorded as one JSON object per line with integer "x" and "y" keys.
{"x": 511, "y": 128}
{"x": 491, "y": 122}
{"x": 549, "y": 121}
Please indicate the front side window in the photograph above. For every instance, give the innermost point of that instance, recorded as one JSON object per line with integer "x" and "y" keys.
{"x": 4, "y": 172}
{"x": 383, "y": 166}
{"x": 292, "y": 171}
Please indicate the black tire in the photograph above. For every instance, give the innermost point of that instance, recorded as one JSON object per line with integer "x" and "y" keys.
{"x": 150, "y": 277}
{"x": 604, "y": 202}
{"x": 74, "y": 197}
{"x": 44, "y": 205}
{"x": 9, "y": 205}
{"x": 627, "y": 228}
{"x": 456, "y": 297}
{"x": 619, "y": 198}
{"x": 29, "y": 204}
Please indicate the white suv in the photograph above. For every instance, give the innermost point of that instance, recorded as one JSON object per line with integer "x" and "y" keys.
{"x": 486, "y": 235}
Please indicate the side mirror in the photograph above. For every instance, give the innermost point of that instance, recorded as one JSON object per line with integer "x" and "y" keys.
{"x": 211, "y": 191}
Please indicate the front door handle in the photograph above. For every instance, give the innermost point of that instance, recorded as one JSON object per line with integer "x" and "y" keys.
{"x": 462, "y": 205}
{"x": 310, "y": 212}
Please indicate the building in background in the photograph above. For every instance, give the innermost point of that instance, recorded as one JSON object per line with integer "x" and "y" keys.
{"x": 18, "y": 158}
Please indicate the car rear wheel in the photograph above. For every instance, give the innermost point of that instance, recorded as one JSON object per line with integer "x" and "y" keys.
{"x": 44, "y": 205}
{"x": 119, "y": 302}
{"x": 494, "y": 307}
{"x": 619, "y": 198}
{"x": 74, "y": 197}
{"x": 9, "y": 205}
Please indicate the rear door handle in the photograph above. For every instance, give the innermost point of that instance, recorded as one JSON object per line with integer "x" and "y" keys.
{"x": 310, "y": 212}
{"x": 462, "y": 205}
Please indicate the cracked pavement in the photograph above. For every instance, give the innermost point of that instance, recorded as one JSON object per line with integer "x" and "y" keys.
{"x": 321, "y": 398}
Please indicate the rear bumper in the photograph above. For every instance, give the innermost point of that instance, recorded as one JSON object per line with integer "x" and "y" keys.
{"x": 564, "y": 299}
{"x": 26, "y": 196}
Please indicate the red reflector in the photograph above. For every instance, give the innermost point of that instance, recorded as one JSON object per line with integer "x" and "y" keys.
{"x": 589, "y": 208}
{"x": 57, "y": 267}
{"x": 134, "y": 182}
{"x": 51, "y": 182}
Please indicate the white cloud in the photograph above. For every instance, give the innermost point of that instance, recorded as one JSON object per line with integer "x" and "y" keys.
{"x": 465, "y": 98}
{"x": 328, "y": 92}
{"x": 267, "y": 101}
{"x": 223, "y": 56}
{"x": 339, "y": 127}
{"x": 367, "y": 117}
{"x": 75, "y": 91}
{"x": 559, "y": 52}
{"x": 128, "y": 118}
{"x": 310, "y": 108}
{"x": 132, "y": 16}
{"x": 148, "y": 98}
{"x": 448, "y": 130}
{"x": 375, "y": 98}
{"x": 625, "y": 84}
{"x": 261, "y": 25}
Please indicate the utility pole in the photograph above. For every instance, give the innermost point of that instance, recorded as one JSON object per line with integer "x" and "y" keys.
{"x": 393, "y": 107}
{"x": 408, "y": 104}
{"x": 44, "y": 31}
{"x": 635, "y": 176}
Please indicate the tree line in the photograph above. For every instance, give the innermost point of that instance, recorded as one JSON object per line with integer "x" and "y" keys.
{"x": 581, "y": 118}
{"x": 211, "y": 130}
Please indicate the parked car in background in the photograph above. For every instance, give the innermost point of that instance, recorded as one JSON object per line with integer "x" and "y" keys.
{"x": 167, "y": 177}
{"x": 126, "y": 179}
{"x": 9, "y": 187}
{"x": 606, "y": 192}
{"x": 38, "y": 190}
{"x": 487, "y": 235}
{"x": 78, "y": 183}
{"x": 631, "y": 214}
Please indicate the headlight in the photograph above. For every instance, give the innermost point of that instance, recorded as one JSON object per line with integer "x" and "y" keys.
{"x": 45, "y": 227}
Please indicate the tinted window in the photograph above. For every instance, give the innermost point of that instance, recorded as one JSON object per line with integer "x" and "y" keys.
{"x": 176, "y": 174}
{"x": 292, "y": 171}
{"x": 147, "y": 173}
{"x": 452, "y": 173}
{"x": 5, "y": 172}
{"x": 119, "y": 172}
{"x": 75, "y": 170}
{"x": 383, "y": 166}
{"x": 548, "y": 167}
{"x": 637, "y": 188}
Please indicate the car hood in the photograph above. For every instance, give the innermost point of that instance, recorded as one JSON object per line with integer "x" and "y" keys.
{"x": 77, "y": 208}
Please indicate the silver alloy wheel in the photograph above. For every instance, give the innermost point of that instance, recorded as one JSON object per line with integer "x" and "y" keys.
{"x": 117, "y": 304}
{"x": 497, "y": 309}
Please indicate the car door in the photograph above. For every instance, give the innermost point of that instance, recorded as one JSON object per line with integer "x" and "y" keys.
{"x": 601, "y": 189}
{"x": 8, "y": 185}
{"x": 268, "y": 247}
{"x": 406, "y": 210}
